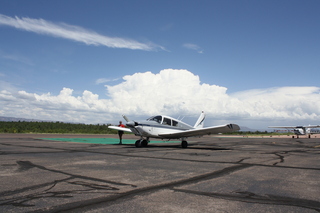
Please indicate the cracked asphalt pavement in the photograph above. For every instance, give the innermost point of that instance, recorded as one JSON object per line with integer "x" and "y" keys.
{"x": 214, "y": 174}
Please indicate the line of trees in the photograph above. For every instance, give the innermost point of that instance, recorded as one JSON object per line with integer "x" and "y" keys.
{"x": 73, "y": 128}
{"x": 53, "y": 127}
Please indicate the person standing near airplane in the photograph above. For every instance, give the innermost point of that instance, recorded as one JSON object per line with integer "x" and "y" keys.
{"x": 120, "y": 133}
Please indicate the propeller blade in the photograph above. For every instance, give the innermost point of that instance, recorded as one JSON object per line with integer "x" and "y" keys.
{"x": 125, "y": 118}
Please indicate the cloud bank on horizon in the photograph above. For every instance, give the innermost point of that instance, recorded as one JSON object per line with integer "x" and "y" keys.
{"x": 171, "y": 91}
{"x": 75, "y": 33}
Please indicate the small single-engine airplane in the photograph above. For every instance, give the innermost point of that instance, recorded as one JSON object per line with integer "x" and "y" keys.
{"x": 298, "y": 130}
{"x": 165, "y": 127}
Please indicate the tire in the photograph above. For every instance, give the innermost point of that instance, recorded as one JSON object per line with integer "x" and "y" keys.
{"x": 138, "y": 143}
{"x": 144, "y": 143}
{"x": 184, "y": 144}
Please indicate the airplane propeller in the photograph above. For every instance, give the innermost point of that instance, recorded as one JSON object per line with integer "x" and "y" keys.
{"x": 130, "y": 123}
{"x": 126, "y": 118}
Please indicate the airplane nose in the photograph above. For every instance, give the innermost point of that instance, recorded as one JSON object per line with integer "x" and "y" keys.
{"x": 132, "y": 124}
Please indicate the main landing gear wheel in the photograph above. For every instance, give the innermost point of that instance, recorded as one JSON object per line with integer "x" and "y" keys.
{"x": 138, "y": 143}
{"x": 144, "y": 143}
{"x": 184, "y": 144}
{"x": 141, "y": 143}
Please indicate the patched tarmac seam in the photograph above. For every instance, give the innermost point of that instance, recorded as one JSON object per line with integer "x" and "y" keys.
{"x": 29, "y": 165}
{"x": 250, "y": 197}
{"x": 116, "y": 198}
{"x": 281, "y": 157}
{"x": 8, "y": 193}
{"x": 175, "y": 159}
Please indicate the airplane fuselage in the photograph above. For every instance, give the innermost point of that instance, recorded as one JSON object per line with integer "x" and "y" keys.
{"x": 300, "y": 131}
{"x": 157, "y": 125}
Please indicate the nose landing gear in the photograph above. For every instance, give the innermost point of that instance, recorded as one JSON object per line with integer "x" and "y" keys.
{"x": 184, "y": 144}
{"x": 142, "y": 142}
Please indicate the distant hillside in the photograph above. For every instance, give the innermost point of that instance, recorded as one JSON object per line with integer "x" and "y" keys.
{"x": 247, "y": 129}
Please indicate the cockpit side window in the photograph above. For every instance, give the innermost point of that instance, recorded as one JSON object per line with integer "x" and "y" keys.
{"x": 174, "y": 123}
{"x": 167, "y": 121}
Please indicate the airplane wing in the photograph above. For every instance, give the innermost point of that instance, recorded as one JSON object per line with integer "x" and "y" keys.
{"x": 285, "y": 127}
{"x": 294, "y": 127}
{"x": 202, "y": 131}
{"x": 312, "y": 126}
{"x": 120, "y": 128}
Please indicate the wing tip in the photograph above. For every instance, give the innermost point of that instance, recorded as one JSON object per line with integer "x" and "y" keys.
{"x": 234, "y": 127}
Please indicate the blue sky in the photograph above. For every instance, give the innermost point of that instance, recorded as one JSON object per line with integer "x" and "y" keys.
{"x": 251, "y": 62}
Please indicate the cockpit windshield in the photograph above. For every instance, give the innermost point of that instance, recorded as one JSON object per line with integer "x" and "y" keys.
{"x": 165, "y": 120}
{"x": 157, "y": 118}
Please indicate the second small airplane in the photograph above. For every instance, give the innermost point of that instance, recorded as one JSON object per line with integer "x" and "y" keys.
{"x": 165, "y": 127}
{"x": 298, "y": 130}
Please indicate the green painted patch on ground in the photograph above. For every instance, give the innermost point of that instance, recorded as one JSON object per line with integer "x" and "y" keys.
{"x": 101, "y": 140}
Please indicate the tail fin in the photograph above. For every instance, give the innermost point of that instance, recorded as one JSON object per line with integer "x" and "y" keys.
{"x": 200, "y": 121}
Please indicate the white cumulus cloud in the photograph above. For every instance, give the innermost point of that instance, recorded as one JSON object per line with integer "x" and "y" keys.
{"x": 193, "y": 47}
{"x": 75, "y": 33}
{"x": 173, "y": 92}
{"x": 105, "y": 80}
{"x": 282, "y": 102}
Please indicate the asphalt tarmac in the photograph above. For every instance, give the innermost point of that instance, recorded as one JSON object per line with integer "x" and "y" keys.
{"x": 213, "y": 174}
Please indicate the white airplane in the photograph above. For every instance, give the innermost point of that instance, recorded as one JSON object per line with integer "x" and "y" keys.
{"x": 298, "y": 130}
{"x": 165, "y": 127}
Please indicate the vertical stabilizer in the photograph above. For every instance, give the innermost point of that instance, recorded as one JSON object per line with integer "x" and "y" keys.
{"x": 200, "y": 121}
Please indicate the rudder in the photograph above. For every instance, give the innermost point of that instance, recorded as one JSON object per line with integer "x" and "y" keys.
{"x": 200, "y": 122}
